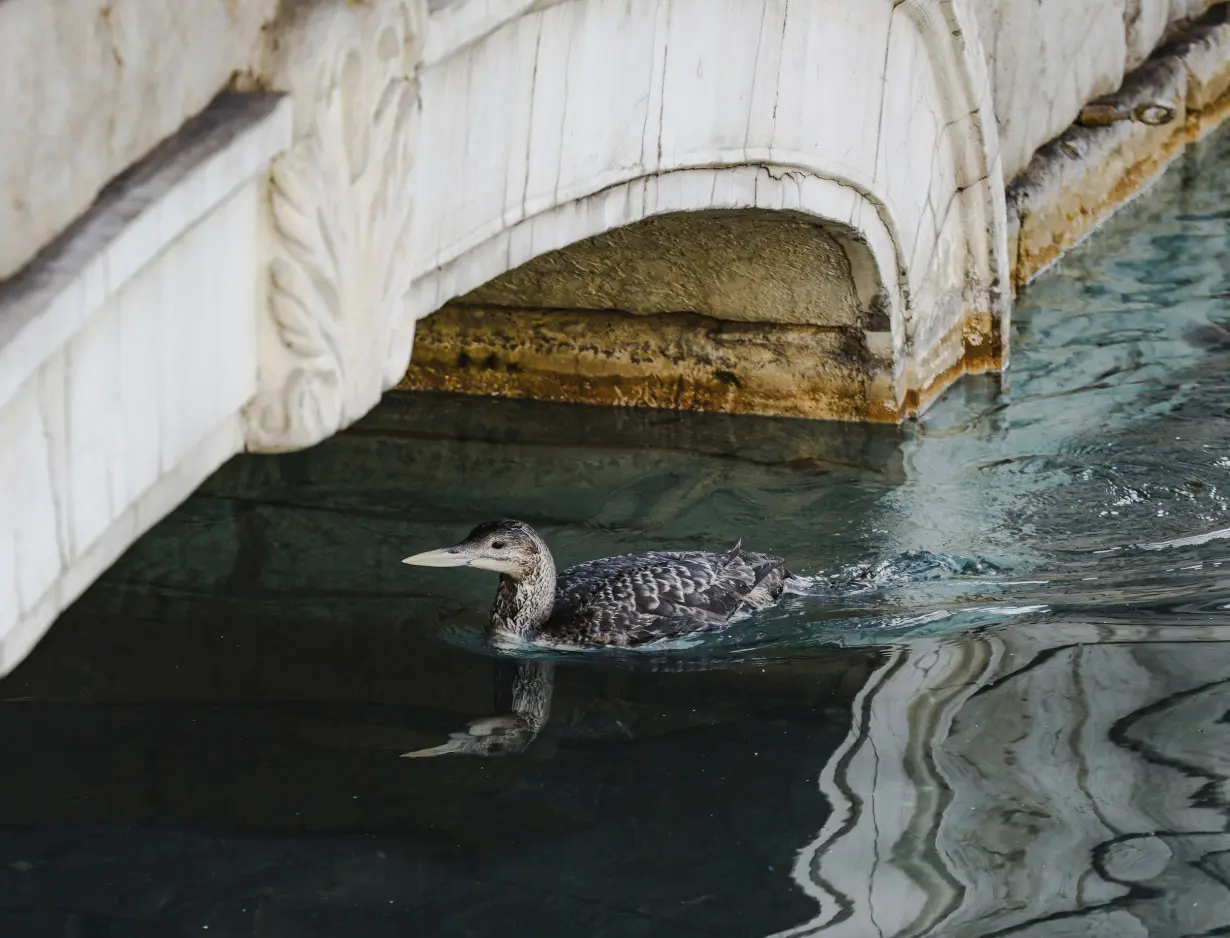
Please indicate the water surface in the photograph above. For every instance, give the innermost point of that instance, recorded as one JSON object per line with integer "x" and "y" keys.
{"x": 1004, "y": 712}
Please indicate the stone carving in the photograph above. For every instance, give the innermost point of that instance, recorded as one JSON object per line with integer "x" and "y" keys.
{"x": 340, "y": 206}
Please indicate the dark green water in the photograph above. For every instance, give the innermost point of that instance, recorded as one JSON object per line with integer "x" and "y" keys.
{"x": 1010, "y": 716}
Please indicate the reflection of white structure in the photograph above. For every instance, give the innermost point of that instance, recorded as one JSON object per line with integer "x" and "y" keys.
{"x": 1034, "y": 783}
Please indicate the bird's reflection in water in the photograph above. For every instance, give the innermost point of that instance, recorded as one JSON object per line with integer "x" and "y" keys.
{"x": 505, "y": 734}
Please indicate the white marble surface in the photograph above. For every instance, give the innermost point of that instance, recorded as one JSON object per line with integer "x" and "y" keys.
{"x": 1047, "y": 60}
{"x": 456, "y": 24}
{"x": 127, "y": 352}
{"x": 90, "y": 86}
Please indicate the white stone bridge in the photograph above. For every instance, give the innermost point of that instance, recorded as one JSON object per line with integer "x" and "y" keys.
{"x": 220, "y": 222}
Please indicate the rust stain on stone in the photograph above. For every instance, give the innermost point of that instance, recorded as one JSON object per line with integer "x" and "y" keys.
{"x": 677, "y": 361}
{"x": 981, "y": 352}
{"x": 680, "y": 361}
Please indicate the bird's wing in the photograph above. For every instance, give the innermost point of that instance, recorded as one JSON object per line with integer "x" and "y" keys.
{"x": 651, "y": 590}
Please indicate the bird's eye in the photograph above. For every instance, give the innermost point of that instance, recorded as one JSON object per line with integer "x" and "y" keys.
{"x": 497, "y": 545}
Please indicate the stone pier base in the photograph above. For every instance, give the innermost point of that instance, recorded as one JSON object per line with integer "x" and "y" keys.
{"x": 1078, "y": 180}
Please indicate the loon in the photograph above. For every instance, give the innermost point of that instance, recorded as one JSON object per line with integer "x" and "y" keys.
{"x": 622, "y": 601}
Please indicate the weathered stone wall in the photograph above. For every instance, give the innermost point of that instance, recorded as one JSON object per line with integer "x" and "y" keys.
{"x": 750, "y": 266}
{"x": 705, "y": 310}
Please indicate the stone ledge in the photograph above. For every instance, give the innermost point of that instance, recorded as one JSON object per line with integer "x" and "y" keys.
{"x": 133, "y": 219}
{"x": 91, "y": 87}
{"x": 1078, "y": 180}
{"x": 127, "y": 352}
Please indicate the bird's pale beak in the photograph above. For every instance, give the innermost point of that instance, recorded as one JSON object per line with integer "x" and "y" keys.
{"x": 446, "y": 557}
{"x": 444, "y": 749}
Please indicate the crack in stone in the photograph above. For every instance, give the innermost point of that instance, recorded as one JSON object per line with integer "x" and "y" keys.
{"x": 751, "y": 97}
{"x": 563, "y": 121}
{"x": 662, "y": 90}
{"x": 529, "y": 131}
{"x": 888, "y": 42}
{"x": 60, "y": 516}
{"x": 777, "y": 88}
{"x": 653, "y": 45}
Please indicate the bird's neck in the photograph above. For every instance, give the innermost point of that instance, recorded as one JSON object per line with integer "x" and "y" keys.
{"x": 524, "y": 603}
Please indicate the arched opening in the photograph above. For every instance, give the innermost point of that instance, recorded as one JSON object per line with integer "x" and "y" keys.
{"x": 744, "y": 311}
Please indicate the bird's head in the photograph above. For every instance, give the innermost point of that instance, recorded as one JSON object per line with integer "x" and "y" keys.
{"x": 507, "y": 546}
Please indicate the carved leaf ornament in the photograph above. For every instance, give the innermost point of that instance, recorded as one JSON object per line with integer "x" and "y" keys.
{"x": 341, "y": 205}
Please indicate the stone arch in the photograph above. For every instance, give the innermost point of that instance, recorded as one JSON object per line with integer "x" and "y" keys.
{"x": 872, "y": 119}
{"x": 657, "y": 267}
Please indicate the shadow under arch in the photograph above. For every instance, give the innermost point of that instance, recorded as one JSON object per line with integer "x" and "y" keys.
{"x": 766, "y": 310}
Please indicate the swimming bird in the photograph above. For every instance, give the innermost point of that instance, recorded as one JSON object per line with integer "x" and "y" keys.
{"x": 613, "y": 601}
